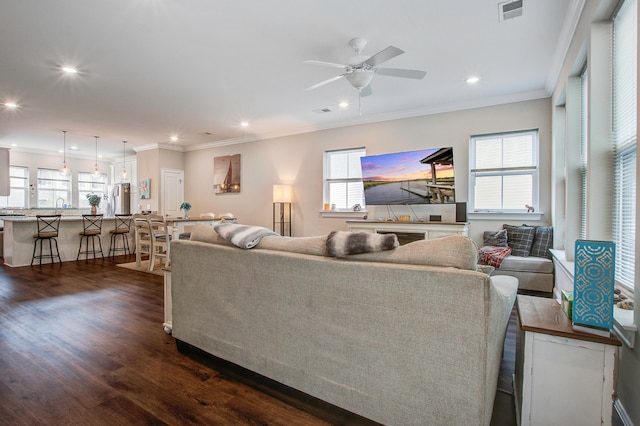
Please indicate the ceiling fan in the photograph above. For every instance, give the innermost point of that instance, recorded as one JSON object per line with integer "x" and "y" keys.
{"x": 360, "y": 69}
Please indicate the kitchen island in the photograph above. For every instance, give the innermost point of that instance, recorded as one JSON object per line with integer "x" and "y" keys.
{"x": 19, "y": 231}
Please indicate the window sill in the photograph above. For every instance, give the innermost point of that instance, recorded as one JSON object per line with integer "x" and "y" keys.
{"x": 505, "y": 216}
{"x": 343, "y": 213}
{"x": 624, "y": 326}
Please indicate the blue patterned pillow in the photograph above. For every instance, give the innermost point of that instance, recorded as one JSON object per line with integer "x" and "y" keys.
{"x": 520, "y": 239}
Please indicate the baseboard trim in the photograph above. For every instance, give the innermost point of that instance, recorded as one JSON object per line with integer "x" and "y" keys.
{"x": 626, "y": 420}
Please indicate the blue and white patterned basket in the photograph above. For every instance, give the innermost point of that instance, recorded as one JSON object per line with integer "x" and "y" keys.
{"x": 594, "y": 280}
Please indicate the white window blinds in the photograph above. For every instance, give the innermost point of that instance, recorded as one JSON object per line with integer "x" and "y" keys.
{"x": 343, "y": 178}
{"x": 583, "y": 152}
{"x": 504, "y": 172}
{"x": 19, "y": 181}
{"x": 624, "y": 139}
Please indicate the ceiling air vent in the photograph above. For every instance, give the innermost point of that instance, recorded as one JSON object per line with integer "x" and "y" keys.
{"x": 321, "y": 110}
{"x": 510, "y": 10}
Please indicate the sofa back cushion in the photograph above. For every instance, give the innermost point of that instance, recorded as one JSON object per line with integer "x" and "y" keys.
{"x": 452, "y": 250}
{"x": 206, "y": 234}
{"x": 316, "y": 246}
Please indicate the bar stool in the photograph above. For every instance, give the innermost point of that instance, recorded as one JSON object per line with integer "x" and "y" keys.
{"x": 122, "y": 229}
{"x": 92, "y": 229}
{"x": 47, "y": 231}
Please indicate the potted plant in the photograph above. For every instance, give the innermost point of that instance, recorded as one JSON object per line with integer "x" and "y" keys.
{"x": 94, "y": 202}
{"x": 185, "y": 206}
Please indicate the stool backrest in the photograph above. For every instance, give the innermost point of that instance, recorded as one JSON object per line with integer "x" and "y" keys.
{"x": 48, "y": 225}
{"x": 92, "y": 222}
{"x": 123, "y": 222}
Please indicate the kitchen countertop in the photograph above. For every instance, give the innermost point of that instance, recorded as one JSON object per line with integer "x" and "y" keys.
{"x": 64, "y": 218}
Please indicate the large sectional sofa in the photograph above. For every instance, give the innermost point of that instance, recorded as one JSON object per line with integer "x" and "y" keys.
{"x": 409, "y": 336}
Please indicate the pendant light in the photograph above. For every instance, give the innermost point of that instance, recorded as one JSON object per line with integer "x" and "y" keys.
{"x": 123, "y": 176}
{"x": 96, "y": 171}
{"x": 64, "y": 170}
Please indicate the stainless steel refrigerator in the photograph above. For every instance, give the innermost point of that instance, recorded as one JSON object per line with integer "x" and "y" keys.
{"x": 121, "y": 196}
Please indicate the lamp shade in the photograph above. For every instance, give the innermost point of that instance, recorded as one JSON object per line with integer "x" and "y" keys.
{"x": 281, "y": 193}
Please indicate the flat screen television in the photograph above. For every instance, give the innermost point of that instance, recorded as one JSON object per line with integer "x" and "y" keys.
{"x": 412, "y": 177}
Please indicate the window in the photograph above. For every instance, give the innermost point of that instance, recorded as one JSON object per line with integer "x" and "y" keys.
{"x": 18, "y": 196}
{"x": 343, "y": 178}
{"x": 624, "y": 140}
{"x": 89, "y": 183}
{"x": 584, "y": 114}
{"x": 503, "y": 176}
{"x": 54, "y": 188}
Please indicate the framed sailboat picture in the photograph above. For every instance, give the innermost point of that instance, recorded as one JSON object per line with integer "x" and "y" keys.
{"x": 226, "y": 174}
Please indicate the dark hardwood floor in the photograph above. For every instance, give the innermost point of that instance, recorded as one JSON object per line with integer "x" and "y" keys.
{"x": 83, "y": 343}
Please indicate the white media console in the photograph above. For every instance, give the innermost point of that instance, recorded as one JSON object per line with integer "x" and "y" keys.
{"x": 420, "y": 230}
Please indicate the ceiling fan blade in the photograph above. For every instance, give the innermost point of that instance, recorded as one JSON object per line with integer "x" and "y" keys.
{"x": 322, "y": 83}
{"x": 366, "y": 91}
{"x": 397, "y": 72}
{"x": 326, "y": 64}
{"x": 383, "y": 56}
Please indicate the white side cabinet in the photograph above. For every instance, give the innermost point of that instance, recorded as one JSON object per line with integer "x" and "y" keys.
{"x": 561, "y": 376}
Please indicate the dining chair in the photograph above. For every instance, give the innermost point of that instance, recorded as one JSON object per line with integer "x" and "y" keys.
{"x": 142, "y": 234}
{"x": 161, "y": 240}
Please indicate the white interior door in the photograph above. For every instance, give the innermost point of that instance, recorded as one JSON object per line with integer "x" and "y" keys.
{"x": 172, "y": 191}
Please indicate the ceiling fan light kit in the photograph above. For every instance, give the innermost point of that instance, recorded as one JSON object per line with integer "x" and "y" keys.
{"x": 360, "y": 69}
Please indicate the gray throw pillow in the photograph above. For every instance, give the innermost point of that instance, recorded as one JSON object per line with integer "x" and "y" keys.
{"x": 542, "y": 242}
{"x": 495, "y": 238}
{"x": 520, "y": 239}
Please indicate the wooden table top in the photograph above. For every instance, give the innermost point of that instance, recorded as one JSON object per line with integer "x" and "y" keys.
{"x": 545, "y": 315}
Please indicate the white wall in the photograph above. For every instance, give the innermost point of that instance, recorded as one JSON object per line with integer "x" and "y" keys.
{"x": 298, "y": 160}
{"x": 149, "y": 164}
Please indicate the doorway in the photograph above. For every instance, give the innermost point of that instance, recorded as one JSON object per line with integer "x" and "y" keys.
{"x": 171, "y": 191}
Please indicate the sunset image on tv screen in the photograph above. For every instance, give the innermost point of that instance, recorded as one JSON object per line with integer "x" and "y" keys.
{"x": 413, "y": 177}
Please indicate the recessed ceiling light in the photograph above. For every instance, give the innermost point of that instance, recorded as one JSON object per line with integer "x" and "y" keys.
{"x": 73, "y": 147}
{"x": 14, "y": 144}
{"x": 343, "y": 104}
{"x": 244, "y": 124}
{"x": 70, "y": 70}
{"x": 472, "y": 80}
{"x": 11, "y": 105}
{"x": 174, "y": 138}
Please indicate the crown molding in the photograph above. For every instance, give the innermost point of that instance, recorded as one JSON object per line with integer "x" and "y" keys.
{"x": 150, "y": 147}
{"x": 564, "y": 43}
